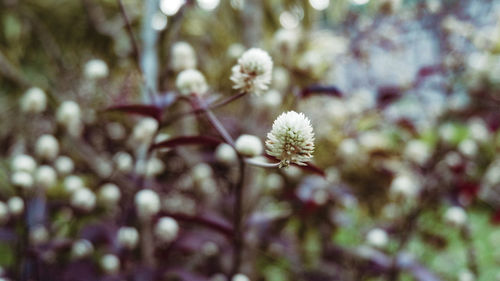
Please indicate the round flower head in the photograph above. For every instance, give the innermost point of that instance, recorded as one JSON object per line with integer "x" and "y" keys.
{"x": 96, "y": 69}
{"x": 34, "y": 101}
{"x": 191, "y": 81}
{"x": 253, "y": 72}
{"x": 183, "y": 56}
{"x": 291, "y": 139}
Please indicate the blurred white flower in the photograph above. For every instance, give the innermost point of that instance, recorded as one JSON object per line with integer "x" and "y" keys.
{"x": 201, "y": 172}
{"x": 22, "y": 179}
{"x": 348, "y": 148}
{"x": 110, "y": 263}
{"x": 468, "y": 147}
{"x": 466, "y": 275}
{"x": 281, "y": 78}
{"x": 15, "y": 205}
{"x": 96, "y": 69}
{"x": 24, "y": 163}
{"x": 109, "y": 194}
{"x": 47, "y": 147}
{"x": 377, "y": 237}
{"x": 144, "y": 131}
{"x": 253, "y": 72}
{"x": 83, "y": 199}
{"x": 34, "y": 101}
{"x": 81, "y": 248}
{"x": 291, "y": 139}
{"x": 191, "y": 81}
{"x": 183, "y": 56}
{"x": 249, "y": 145}
{"x": 123, "y": 161}
{"x": 128, "y": 237}
{"x": 72, "y": 183}
{"x": 274, "y": 182}
{"x": 404, "y": 186}
{"x": 417, "y": 151}
{"x": 64, "y": 165}
{"x": 240, "y": 277}
{"x": 373, "y": 140}
{"x": 286, "y": 41}
{"x": 45, "y": 176}
{"x": 235, "y": 50}
{"x": 225, "y": 154}
{"x": 38, "y": 235}
{"x": 455, "y": 216}
{"x": 69, "y": 116}
{"x": 166, "y": 229}
{"x": 147, "y": 203}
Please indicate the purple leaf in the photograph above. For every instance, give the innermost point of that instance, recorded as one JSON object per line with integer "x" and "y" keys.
{"x": 323, "y": 90}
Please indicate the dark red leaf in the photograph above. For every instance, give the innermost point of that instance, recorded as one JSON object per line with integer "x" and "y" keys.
{"x": 187, "y": 140}
{"x": 152, "y": 111}
{"x": 388, "y": 95}
{"x": 495, "y": 218}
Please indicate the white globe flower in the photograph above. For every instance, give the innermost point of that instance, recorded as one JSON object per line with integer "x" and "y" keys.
{"x": 225, "y": 154}
{"x": 83, "y": 199}
{"x": 123, "y": 161}
{"x": 109, "y": 194}
{"x": 240, "y": 277}
{"x": 110, "y": 263}
{"x": 404, "y": 186}
{"x": 15, "y": 205}
{"x": 253, "y": 72}
{"x": 22, "y": 179}
{"x": 47, "y": 147}
{"x": 128, "y": 237}
{"x": 191, "y": 81}
{"x": 72, "y": 183}
{"x": 417, "y": 151}
{"x": 291, "y": 139}
{"x": 144, "y": 130}
{"x": 64, "y": 165}
{"x": 96, "y": 69}
{"x": 166, "y": 229}
{"x": 455, "y": 216}
{"x": 249, "y": 145}
{"x": 24, "y": 163}
{"x": 45, "y": 176}
{"x": 69, "y": 115}
{"x": 377, "y": 237}
{"x": 38, "y": 235}
{"x": 34, "y": 101}
{"x": 147, "y": 203}
{"x": 81, "y": 248}
{"x": 183, "y": 57}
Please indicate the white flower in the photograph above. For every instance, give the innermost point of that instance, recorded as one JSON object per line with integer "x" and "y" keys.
{"x": 147, "y": 203}
{"x": 39, "y": 235}
{"x": 72, "y": 183}
{"x": 225, "y": 154}
{"x": 253, "y": 72}
{"x": 22, "y": 179}
{"x": 240, "y": 277}
{"x": 455, "y": 216}
{"x": 109, "y": 194}
{"x": 110, "y": 263}
{"x": 404, "y": 186}
{"x": 64, "y": 165}
{"x": 69, "y": 115}
{"x": 128, "y": 237}
{"x": 96, "y": 69}
{"x": 83, "y": 199}
{"x": 81, "y": 248}
{"x": 15, "y": 205}
{"x": 47, "y": 147}
{"x": 45, "y": 176}
{"x": 124, "y": 161}
{"x": 291, "y": 139}
{"x": 144, "y": 131}
{"x": 377, "y": 238}
{"x": 166, "y": 229}
{"x": 34, "y": 101}
{"x": 249, "y": 145}
{"x": 417, "y": 151}
{"x": 191, "y": 81}
{"x": 182, "y": 56}
{"x": 24, "y": 163}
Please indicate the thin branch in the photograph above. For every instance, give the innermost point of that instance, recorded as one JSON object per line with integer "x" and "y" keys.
{"x": 238, "y": 218}
{"x": 135, "y": 47}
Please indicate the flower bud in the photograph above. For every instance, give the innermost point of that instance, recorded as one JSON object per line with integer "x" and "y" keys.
{"x": 128, "y": 237}
{"x": 110, "y": 264}
{"x": 182, "y": 56}
{"x": 83, "y": 199}
{"x": 81, "y": 248}
{"x": 64, "y": 165}
{"x": 45, "y": 177}
{"x": 240, "y": 277}
{"x": 34, "y": 101}
{"x": 166, "y": 229}
{"x": 404, "y": 186}
{"x": 147, "y": 203}
{"x": 249, "y": 145}
{"x": 144, "y": 131}
{"x": 24, "y": 163}
{"x": 69, "y": 115}
{"x": 15, "y": 205}
{"x": 455, "y": 216}
{"x": 72, "y": 183}
{"x": 47, "y": 147}
{"x": 38, "y": 235}
{"x": 124, "y": 162}
{"x": 109, "y": 194}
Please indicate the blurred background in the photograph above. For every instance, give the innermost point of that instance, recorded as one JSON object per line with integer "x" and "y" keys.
{"x": 403, "y": 96}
